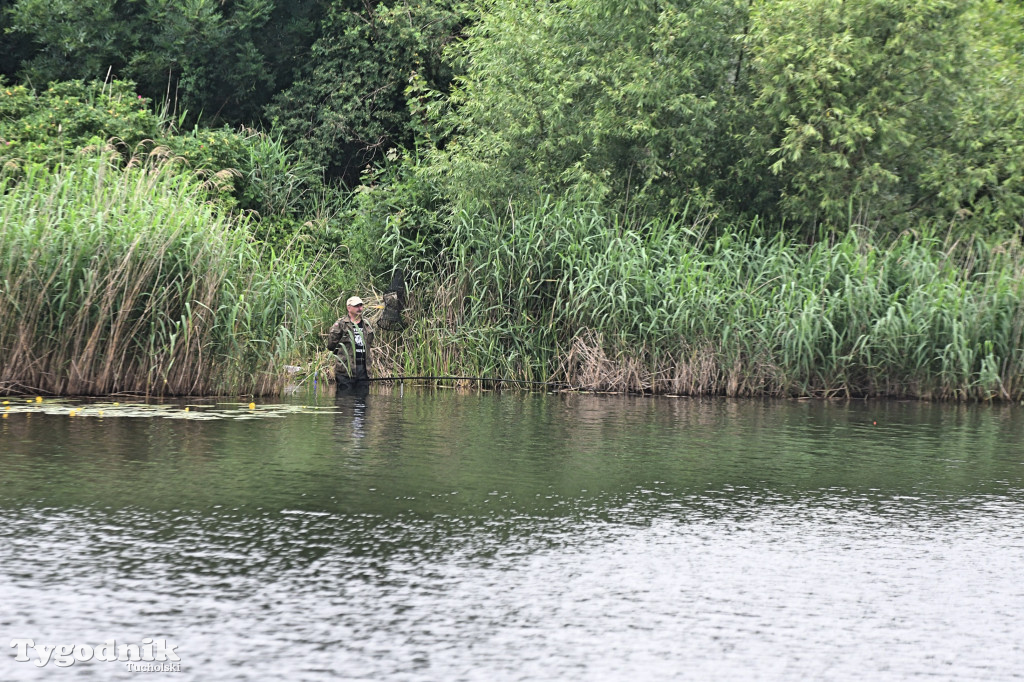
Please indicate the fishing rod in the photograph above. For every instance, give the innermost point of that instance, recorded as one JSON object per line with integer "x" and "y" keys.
{"x": 391, "y": 320}
{"x": 557, "y": 384}
{"x": 481, "y": 379}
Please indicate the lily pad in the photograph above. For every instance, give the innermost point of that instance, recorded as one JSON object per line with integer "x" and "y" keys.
{"x": 78, "y": 409}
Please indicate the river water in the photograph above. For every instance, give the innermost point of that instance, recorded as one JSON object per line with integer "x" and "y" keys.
{"x": 437, "y": 535}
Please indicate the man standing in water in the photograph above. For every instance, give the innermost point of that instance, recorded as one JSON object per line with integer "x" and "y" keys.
{"x": 351, "y": 338}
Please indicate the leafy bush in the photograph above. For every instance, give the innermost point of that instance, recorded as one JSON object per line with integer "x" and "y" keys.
{"x": 244, "y": 169}
{"x": 49, "y": 125}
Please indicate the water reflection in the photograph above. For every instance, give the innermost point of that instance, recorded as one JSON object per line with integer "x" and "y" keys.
{"x": 351, "y": 401}
{"x": 417, "y": 535}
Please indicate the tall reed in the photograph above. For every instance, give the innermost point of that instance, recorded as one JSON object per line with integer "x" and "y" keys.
{"x": 128, "y": 281}
{"x": 569, "y": 293}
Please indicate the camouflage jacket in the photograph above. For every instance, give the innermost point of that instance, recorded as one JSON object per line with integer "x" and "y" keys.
{"x": 341, "y": 339}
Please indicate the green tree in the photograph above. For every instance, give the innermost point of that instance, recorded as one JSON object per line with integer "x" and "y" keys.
{"x": 14, "y": 47}
{"x": 979, "y": 174}
{"x": 349, "y": 105}
{"x": 72, "y": 39}
{"x": 811, "y": 112}
{"x": 885, "y": 110}
{"x": 223, "y": 59}
{"x": 628, "y": 102}
{"x": 203, "y": 51}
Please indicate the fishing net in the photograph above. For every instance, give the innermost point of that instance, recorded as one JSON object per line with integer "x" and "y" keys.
{"x": 394, "y": 303}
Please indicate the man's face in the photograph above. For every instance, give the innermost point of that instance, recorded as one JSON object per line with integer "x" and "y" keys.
{"x": 356, "y": 310}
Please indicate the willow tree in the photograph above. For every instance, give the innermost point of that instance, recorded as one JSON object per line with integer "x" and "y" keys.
{"x": 811, "y": 113}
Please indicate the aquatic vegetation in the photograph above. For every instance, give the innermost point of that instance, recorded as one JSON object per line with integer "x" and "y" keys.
{"x": 147, "y": 410}
{"x": 129, "y": 281}
{"x": 569, "y": 293}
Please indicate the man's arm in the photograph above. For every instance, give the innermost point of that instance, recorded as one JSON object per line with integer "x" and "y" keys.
{"x": 334, "y": 336}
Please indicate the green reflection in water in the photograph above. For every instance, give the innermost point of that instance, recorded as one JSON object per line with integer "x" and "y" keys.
{"x": 419, "y": 535}
{"x": 390, "y": 451}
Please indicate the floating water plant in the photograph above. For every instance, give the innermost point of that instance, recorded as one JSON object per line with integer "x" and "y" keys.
{"x": 142, "y": 410}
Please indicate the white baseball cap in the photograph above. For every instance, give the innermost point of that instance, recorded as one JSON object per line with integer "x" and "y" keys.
{"x": 354, "y": 300}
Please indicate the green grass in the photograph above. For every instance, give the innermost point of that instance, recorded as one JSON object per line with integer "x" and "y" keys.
{"x": 570, "y": 294}
{"x": 129, "y": 281}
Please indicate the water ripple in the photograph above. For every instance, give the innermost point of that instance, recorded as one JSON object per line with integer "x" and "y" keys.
{"x": 522, "y": 540}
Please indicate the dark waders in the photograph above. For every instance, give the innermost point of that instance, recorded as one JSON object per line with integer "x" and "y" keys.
{"x": 359, "y": 382}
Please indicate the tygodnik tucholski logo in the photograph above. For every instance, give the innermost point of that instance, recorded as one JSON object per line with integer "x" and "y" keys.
{"x": 152, "y": 655}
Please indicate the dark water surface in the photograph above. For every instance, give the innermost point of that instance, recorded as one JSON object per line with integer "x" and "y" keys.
{"x": 440, "y": 536}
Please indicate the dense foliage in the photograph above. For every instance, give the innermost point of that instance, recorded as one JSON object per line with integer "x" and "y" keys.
{"x": 244, "y": 170}
{"x": 128, "y": 280}
{"x": 813, "y": 111}
{"x": 224, "y": 59}
{"x": 798, "y": 196}
{"x": 891, "y": 111}
{"x": 331, "y": 74}
{"x": 348, "y": 106}
{"x": 568, "y": 292}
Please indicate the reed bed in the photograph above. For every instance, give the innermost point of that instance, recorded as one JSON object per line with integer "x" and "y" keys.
{"x": 127, "y": 281}
{"x": 573, "y": 295}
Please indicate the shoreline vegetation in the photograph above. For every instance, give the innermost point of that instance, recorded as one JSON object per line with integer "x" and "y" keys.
{"x": 124, "y": 280}
{"x": 569, "y": 295}
{"x": 790, "y": 198}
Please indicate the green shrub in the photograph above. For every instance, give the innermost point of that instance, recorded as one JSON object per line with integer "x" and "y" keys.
{"x": 50, "y": 125}
{"x": 244, "y": 170}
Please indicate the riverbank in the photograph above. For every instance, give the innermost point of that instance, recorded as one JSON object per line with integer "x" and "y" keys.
{"x": 574, "y": 296}
{"x": 129, "y": 281}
